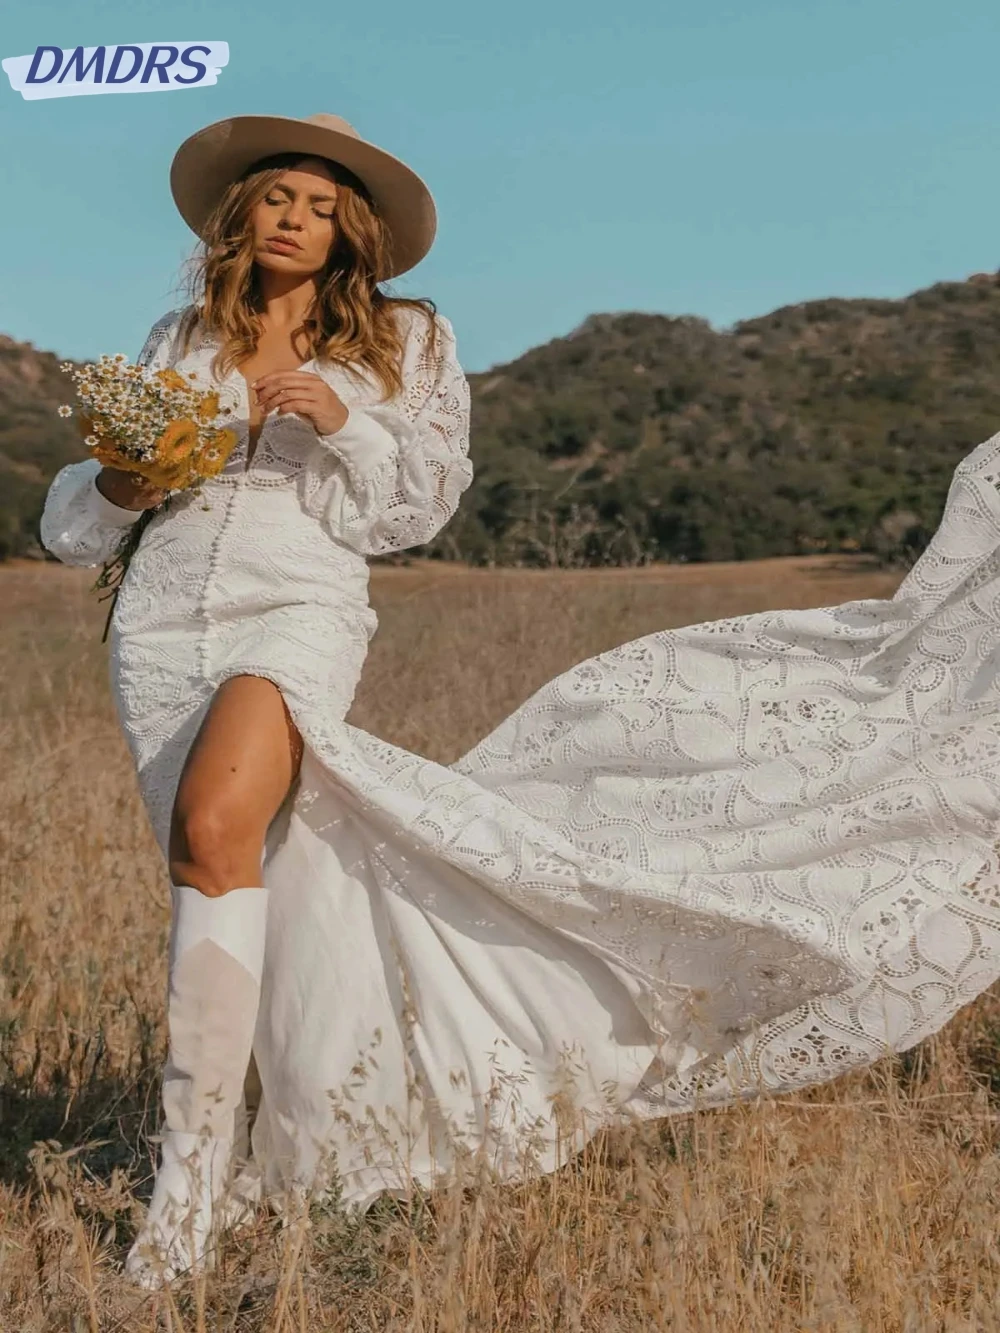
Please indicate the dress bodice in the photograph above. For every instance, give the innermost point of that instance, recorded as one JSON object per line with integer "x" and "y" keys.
{"x": 286, "y": 439}
{"x": 388, "y": 479}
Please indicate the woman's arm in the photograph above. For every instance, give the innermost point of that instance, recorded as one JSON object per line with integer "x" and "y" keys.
{"x": 392, "y": 475}
{"x": 81, "y": 525}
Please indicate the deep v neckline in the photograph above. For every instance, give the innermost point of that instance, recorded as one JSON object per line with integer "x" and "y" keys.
{"x": 254, "y": 444}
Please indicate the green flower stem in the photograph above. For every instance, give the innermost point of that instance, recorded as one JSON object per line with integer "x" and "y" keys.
{"x": 113, "y": 571}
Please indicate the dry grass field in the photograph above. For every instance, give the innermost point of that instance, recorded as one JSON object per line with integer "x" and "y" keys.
{"x": 865, "y": 1205}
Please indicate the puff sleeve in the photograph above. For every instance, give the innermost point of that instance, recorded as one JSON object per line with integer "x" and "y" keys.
{"x": 79, "y": 525}
{"x": 392, "y": 476}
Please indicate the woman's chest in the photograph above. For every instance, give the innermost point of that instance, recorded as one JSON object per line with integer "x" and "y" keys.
{"x": 272, "y": 356}
{"x": 271, "y": 447}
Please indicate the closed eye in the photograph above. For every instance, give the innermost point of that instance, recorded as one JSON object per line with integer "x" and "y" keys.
{"x": 328, "y": 216}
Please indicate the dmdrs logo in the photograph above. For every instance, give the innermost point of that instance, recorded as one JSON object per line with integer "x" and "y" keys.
{"x": 146, "y": 67}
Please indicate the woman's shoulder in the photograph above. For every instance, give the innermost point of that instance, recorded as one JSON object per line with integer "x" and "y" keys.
{"x": 172, "y": 320}
{"x": 984, "y": 459}
{"x": 428, "y": 339}
{"x": 418, "y": 322}
{"x": 166, "y": 332}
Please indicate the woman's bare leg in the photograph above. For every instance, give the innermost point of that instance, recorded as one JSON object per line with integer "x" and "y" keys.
{"x": 237, "y": 774}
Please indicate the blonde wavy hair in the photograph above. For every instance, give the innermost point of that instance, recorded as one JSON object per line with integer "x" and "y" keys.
{"x": 352, "y": 322}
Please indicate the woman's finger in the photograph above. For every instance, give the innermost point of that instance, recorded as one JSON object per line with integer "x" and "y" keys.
{"x": 283, "y": 379}
{"x": 310, "y": 385}
{"x": 292, "y": 404}
{"x": 272, "y": 393}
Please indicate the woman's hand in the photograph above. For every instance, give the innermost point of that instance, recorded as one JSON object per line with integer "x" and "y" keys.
{"x": 307, "y": 395}
{"x": 127, "y": 489}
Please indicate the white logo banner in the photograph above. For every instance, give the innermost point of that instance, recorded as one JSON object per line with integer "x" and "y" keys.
{"x": 145, "y": 67}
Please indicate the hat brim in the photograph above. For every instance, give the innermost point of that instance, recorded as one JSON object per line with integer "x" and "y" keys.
{"x": 211, "y": 158}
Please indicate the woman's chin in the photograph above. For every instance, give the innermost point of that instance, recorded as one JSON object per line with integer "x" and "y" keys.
{"x": 280, "y": 263}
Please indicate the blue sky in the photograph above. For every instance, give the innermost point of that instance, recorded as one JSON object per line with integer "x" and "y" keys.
{"x": 717, "y": 157}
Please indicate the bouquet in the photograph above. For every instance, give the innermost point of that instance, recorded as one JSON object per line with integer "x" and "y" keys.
{"x": 157, "y": 425}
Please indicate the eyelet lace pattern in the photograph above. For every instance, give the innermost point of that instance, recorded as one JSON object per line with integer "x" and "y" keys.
{"x": 742, "y": 856}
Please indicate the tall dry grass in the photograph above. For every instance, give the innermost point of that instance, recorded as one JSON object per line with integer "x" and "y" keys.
{"x": 867, "y": 1204}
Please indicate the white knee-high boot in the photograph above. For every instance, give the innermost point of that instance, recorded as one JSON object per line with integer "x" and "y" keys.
{"x": 216, "y": 961}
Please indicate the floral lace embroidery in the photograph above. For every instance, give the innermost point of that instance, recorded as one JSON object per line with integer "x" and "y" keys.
{"x": 779, "y": 830}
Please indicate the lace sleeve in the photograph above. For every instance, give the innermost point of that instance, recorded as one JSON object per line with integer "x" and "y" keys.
{"x": 160, "y": 349}
{"x": 79, "y": 525}
{"x": 392, "y": 476}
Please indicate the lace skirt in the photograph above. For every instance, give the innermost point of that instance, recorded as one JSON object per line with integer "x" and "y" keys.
{"x": 739, "y": 857}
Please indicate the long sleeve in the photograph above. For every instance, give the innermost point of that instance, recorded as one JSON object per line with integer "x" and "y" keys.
{"x": 79, "y": 525}
{"x": 392, "y": 476}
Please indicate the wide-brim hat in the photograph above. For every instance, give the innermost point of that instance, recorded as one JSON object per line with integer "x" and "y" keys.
{"x": 211, "y": 158}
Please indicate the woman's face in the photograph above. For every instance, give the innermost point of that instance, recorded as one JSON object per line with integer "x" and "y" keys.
{"x": 297, "y": 210}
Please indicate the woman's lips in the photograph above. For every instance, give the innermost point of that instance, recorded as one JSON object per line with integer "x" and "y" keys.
{"x": 285, "y": 247}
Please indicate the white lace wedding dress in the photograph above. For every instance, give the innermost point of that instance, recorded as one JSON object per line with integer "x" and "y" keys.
{"x": 746, "y": 855}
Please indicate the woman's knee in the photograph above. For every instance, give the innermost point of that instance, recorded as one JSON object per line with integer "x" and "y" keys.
{"x": 236, "y": 775}
{"x": 212, "y": 849}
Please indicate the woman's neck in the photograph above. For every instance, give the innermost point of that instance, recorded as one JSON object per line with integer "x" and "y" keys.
{"x": 284, "y": 303}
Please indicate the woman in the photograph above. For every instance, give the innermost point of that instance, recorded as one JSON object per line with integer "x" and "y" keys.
{"x": 747, "y": 855}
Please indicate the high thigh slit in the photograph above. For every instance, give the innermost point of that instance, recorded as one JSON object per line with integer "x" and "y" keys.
{"x": 742, "y": 856}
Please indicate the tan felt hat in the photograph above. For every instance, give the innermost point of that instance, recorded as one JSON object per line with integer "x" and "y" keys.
{"x": 208, "y": 160}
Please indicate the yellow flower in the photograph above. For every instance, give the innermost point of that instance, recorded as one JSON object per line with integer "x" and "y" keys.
{"x": 212, "y": 457}
{"x": 163, "y": 476}
{"x": 177, "y": 443}
{"x": 171, "y": 379}
{"x": 108, "y": 455}
{"x": 105, "y": 451}
{"x": 208, "y": 409}
{"x": 171, "y": 468}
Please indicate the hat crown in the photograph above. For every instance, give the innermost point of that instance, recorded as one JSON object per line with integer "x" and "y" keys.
{"x": 328, "y": 122}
